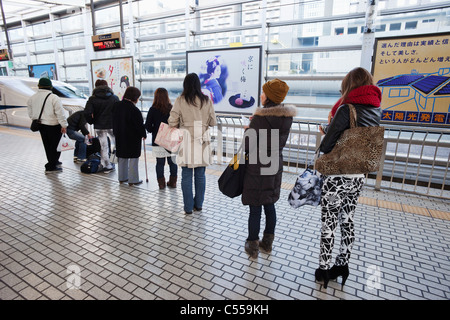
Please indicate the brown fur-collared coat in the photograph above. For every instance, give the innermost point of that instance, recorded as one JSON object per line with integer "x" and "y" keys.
{"x": 265, "y": 140}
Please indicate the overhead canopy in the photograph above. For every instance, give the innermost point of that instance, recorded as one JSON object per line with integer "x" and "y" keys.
{"x": 16, "y": 10}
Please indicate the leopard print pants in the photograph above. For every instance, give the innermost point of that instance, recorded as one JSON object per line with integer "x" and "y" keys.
{"x": 339, "y": 199}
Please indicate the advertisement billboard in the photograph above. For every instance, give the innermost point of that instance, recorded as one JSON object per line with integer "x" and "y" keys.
{"x": 231, "y": 77}
{"x": 118, "y": 72}
{"x": 413, "y": 73}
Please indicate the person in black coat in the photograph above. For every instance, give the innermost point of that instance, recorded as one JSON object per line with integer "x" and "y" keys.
{"x": 269, "y": 129}
{"x": 158, "y": 113}
{"x": 98, "y": 111}
{"x": 129, "y": 130}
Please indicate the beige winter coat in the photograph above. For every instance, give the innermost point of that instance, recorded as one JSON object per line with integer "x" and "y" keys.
{"x": 195, "y": 150}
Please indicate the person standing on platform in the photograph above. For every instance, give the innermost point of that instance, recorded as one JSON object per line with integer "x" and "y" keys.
{"x": 262, "y": 180}
{"x": 193, "y": 112}
{"x": 340, "y": 193}
{"x": 128, "y": 128}
{"x": 53, "y": 121}
{"x": 98, "y": 112}
{"x": 158, "y": 113}
{"x": 77, "y": 122}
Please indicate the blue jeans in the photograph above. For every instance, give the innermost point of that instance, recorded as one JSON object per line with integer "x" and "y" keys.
{"x": 80, "y": 146}
{"x": 254, "y": 221}
{"x": 191, "y": 201}
{"x": 160, "y": 162}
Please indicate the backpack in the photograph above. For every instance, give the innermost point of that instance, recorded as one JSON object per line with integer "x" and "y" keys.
{"x": 92, "y": 164}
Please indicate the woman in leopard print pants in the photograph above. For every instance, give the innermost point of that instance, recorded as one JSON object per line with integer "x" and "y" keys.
{"x": 340, "y": 192}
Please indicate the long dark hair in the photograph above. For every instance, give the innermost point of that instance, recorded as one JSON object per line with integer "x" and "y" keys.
{"x": 162, "y": 101}
{"x": 192, "y": 90}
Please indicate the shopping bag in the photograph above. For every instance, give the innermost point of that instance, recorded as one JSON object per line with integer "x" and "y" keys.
{"x": 113, "y": 157}
{"x": 168, "y": 137}
{"x": 307, "y": 189}
{"x": 231, "y": 182}
{"x": 65, "y": 144}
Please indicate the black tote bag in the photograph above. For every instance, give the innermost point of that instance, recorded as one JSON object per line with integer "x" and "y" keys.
{"x": 231, "y": 182}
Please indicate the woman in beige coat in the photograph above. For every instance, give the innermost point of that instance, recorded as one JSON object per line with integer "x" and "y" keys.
{"x": 193, "y": 112}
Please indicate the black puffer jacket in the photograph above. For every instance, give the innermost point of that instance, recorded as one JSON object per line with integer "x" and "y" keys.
{"x": 262, "y": 179}
{"x": 98, "y": 110}
{"x": 367, "y": 116}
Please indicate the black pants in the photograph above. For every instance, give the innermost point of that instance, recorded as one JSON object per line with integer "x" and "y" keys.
{"x": 50, "y": 138}
{"x": 254, "y": 221}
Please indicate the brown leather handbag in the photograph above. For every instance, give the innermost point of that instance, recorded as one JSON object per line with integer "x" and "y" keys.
{"x": 358, "y": 150}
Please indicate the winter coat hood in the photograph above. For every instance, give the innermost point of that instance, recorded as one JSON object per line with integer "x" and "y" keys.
{"x": 102, "y": 92}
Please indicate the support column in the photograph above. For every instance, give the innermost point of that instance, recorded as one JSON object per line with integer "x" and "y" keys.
{"x": 55, "y": 46}
{"x": 89, "y": 51}
{"x": 25, "y": 40}
{"x": 264, "y": 57}
{"x": 369, "y": 36}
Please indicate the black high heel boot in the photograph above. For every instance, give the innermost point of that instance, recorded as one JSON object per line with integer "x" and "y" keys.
{"x": 337, "y": 271}
{"x": 323, "y": 275}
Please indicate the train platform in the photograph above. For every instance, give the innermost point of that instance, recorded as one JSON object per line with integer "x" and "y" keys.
{"x": 87, "y": 237}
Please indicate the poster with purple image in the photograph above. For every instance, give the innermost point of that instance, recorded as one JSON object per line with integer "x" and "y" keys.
{"x": 231, "y": 77}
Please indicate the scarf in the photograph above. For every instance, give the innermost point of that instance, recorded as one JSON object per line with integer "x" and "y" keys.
{"x": 362, "y": 95}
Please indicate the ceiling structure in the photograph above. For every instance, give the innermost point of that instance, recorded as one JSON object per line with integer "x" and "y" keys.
{"x": 17, "y": 10}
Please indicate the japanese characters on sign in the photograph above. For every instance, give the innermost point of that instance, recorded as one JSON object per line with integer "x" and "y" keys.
{"x": 413, "y": 74}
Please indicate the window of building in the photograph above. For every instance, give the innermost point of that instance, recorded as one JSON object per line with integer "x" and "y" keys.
{"x": 410, "y": 25}
{"x": 395, "y": 26}
{"x": 339, "y": 31}
{"x": 352, "y": 30}
{"x": 309, "y": 41}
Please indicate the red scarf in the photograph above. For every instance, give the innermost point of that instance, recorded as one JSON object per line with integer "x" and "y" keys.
{"x": 362, "y": 95}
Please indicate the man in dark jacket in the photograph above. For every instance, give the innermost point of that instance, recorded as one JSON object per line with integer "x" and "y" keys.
{"x": 77, "y": 122}
{"x": 98, "y": 112}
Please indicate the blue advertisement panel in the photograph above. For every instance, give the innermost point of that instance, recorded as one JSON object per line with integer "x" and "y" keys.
{"x": 43, "y": 71}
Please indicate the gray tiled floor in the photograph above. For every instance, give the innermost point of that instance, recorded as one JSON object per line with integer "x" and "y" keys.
{"x": 136, "y": 243}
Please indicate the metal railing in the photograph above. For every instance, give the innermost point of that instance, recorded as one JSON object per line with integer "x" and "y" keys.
{"x": 415, "y": 160}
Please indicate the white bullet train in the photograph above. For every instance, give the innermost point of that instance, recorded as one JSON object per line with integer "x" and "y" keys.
{"x": 15, "y": 92}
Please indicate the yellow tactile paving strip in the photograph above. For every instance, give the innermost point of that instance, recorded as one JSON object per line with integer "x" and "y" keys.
{"x": 378, "y": 203}
{"x": 288, "y": 186}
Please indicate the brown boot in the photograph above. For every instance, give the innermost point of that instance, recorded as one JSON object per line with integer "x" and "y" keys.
{"x": 266, "y": 243}
{"x": 162, "y": 183}
{"x": 172, "y": 182}
{"x": 252, "y": 248}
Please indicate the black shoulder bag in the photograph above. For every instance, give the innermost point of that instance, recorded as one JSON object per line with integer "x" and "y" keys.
{"x": 36, "y": 124}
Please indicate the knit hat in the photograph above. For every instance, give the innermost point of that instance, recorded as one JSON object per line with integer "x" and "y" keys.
{"x": 45, "y": 83}
{"x": 276, "y": 90}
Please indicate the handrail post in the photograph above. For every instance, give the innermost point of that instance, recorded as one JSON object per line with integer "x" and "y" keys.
{"x": 380, "y": 170}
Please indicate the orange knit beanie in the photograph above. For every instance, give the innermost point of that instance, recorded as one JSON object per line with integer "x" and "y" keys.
{"x": 276, "y": 90}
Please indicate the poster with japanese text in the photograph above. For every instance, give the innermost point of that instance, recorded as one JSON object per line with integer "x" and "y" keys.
{"x": 118, "y": 73}
{"x": 413, "y": 74}
{"x": 231, "y": 77}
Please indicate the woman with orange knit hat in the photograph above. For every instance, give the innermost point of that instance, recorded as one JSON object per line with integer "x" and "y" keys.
{"x": 272, "y": 123}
